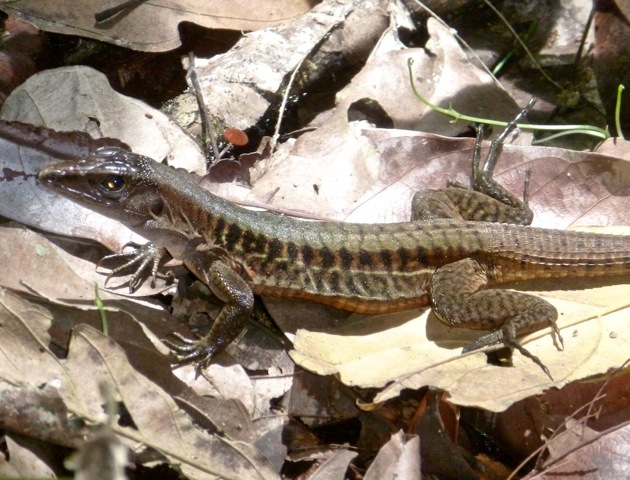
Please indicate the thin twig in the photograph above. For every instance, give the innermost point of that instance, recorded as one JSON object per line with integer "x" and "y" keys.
{"x": 203, "y": 110}
{"x": 110, "y": 12}
{"x": 285, "y": 97}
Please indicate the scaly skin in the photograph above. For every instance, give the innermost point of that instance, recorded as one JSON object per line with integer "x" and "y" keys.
{"x": 365, "y": 268}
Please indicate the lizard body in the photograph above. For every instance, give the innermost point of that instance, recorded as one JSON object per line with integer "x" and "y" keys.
{"x": 447, "y": 263}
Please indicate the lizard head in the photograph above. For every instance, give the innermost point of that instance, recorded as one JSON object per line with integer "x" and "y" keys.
{"x": 110, "y": 180}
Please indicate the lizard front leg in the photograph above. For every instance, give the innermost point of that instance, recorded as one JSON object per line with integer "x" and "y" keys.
{"x": 229, "y": 287}
{"x": 459, "y": 300}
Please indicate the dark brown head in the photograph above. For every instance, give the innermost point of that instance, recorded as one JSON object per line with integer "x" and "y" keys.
{"x": 112, "y": 181}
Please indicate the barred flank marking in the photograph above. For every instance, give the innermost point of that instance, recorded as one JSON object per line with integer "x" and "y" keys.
{"x": 219, "y": 227}
{"x": 403, "y": 256}
{"x": 421, "y": 256}
{"x": 333, "y": 277}
{"x": 346, "y": 258}
{"x": 352, "y": 287}
{"x": 327, "y": 257}
{"x": 365, "y": 259}
{"x": 261, "y": 244}
{"x": 386, "y": 260}
{"x": 364, "y": 281}
{"x": 319, "y": 283}
{"x": 307, "y": 255}
{"x": 274, "y": 249}
{"x": 233, "y": 236}
{"x": 248, "y": 240}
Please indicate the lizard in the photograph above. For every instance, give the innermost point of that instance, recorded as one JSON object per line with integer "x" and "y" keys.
{"x": 460, "y": 243}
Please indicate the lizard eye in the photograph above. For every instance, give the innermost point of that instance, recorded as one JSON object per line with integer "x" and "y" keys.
{"x": 113, "y": 183}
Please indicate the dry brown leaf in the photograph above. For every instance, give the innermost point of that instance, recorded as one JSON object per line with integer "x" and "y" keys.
{"x": 336, "y": 466}
{"x": 399, "y": 458}
{"x": 32, "y": 264}
{"x": 567, "y": 188}
{"x": 153, "y": 26}
{"x": 94, "y": 359}
{"x": 80, "y": 98}
{"x": 64, "y": 272}
{"x": 28, "y": 458}
{"x": 442, "y": 73}
{"x": 160, "y": 423}
{"x": 599, "y": 401}
{"x": 581, "y": 449}
{"x": 615, "y": 147}
{"x": 370, "y": 175}
{"x": 239, "y": 86}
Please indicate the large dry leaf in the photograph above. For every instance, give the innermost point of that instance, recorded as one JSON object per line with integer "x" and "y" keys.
{"x": 30, "y": 262}
{"x": 80, "y": 98}
{"x": 442, "y": 73}
{"x": 413, "y": 351}
{"x": 152, "y": 26}
{"x": 370, "y": 175}
{"x": 94, "y": 359}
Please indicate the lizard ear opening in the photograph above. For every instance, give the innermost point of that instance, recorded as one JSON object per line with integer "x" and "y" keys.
{"x": 157, "y": 207}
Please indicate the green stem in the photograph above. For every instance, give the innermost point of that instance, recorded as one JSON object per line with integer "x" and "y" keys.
{"x": 101, "y": 311}
{"x": 567, "y": 129}
{"x": 620, "y": 90}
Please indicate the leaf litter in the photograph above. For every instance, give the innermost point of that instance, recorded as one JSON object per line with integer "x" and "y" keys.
{"x": 380, "y": 169}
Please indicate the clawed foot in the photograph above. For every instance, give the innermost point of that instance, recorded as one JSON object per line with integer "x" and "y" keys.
{"x": 503, "y": 338}
{"x": 143, "y": 255}
{"x": 187, "y": 350}
{"x": 523, "y": 351}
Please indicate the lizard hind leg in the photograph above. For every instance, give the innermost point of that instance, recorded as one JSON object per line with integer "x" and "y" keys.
{"x": 459, "y": 300}
{"x": 485, "y": 200}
